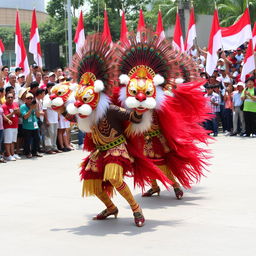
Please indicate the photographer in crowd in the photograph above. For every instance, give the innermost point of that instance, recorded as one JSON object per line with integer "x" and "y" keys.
{"x": 30, "y": 113}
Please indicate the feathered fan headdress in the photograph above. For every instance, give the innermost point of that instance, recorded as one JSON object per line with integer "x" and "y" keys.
{"x": 157, "y": 57}
{"x": 93, "y": 65}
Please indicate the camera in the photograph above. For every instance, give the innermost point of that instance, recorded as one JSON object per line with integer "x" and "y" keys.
{"x": 33, "y": 102}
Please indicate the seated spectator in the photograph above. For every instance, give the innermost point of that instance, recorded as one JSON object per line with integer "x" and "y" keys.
{"x": 30, "y": 113}
{"x": 237, "y": 111}
{"x": 1, "y": 126}
{"x": 11, "y": 120}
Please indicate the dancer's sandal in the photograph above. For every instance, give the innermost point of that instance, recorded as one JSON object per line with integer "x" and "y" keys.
{"x": 151, "y": 192}
{"x": 106, "y": 213}
{"x": 178, "y": 192}
{"x": 139, "y": 219}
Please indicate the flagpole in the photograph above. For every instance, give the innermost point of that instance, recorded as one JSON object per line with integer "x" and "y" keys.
{"x": 69, "y": 33}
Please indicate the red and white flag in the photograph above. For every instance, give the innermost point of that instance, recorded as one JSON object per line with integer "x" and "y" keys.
{"x": 34, "y": 43}
{"x": 20, "y": 50}
{"x": 254, "y": 36}
{"x": 177, "y": 41}
{"x": 249, "y": 62}
{"x": 79, "y": 36}
{"x": 1, "y": 51}
{"x": 214, "y": 44}
{"x": 238, "y": 33}
{"x": 191, "y": 35}
{"x": 160, "y": 27}
{"x": 124, "y": 30}
{"x": 106, "y": 35}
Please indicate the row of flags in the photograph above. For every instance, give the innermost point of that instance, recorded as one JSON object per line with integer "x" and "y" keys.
{"x": 20, "y": 50}
{"x": 225, "y": 38}
{"x": 34, "y": 45}
{"x": 230, "y": 38}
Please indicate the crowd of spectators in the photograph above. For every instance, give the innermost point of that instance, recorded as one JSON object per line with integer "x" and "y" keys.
{"x": 232, "y": 102}
{"x": 26, "y": 126}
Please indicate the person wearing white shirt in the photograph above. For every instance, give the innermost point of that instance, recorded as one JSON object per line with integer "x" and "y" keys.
{"x": 237, "y": 112}
{"x": 51, "y": 124}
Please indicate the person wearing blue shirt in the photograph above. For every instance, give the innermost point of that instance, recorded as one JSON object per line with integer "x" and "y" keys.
{"x": 29, "y": 113}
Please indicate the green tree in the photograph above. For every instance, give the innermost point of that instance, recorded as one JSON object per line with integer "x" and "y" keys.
{"x": 231, "y": 10}
{"x": 56, "y": 9}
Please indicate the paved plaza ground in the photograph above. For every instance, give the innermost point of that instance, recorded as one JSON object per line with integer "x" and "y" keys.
{"x": 42, "y": 212}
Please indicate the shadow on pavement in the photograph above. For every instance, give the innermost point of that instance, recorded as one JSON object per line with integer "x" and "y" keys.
{"x": 117, "y": 226}
{"x": 168, "y": 199}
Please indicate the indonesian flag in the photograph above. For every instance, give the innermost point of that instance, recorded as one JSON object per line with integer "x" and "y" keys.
{"x": 214, "y": 44}
{"x": 34, "y": 43}
{"x": 254, "y": 36}
{"x": 141, "y": 24}
{"x": 191, "y": 35}
{"x": 238, "y": 33}
{"x": 124, "y": 30}
{"x": 1, "y": 51}
{"x": 106, "y": 35}
{"x": 160, "y": 27}
{"x": 177, "y": 36}
{"x": 79, "y": 36}
{"x": 20, "y": 51}
{"x": 249, "y": 62}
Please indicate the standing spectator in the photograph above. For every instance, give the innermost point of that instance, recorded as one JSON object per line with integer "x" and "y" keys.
{"x": 228, "y": 109}
{"x": 59, "y": 73}
{"x": 39, "y": 99}
{"x": 80, "y": 139}
{"x": 38, "y": 77}
{"x": 4, "y": 76}
{"x": 34, "y": 87}
{"x": 52, "y": 77}
{"x": 13, "y": 82}
{"x": 249, "y": 97}
{"x": 45, "y": 79}
{"x": 30, "y": 114}
{"x": 11, "y": 120}
{"x": 63, "y": 125}
{"x": 213, "y": 101}
{"x": 18, "y": 71}
{"x": 1, "y": 125}
{"x": 20, "y": 140}
{"x": 21, "y": 80}
{"x": 239, "y": 57}
{"x": 51, "y": 124}
{"x": 237, "y": 111}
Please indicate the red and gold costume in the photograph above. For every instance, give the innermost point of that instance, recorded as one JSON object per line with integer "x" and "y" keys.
{"x": 170, "y": 131}
{"x": 111, "y": 158}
